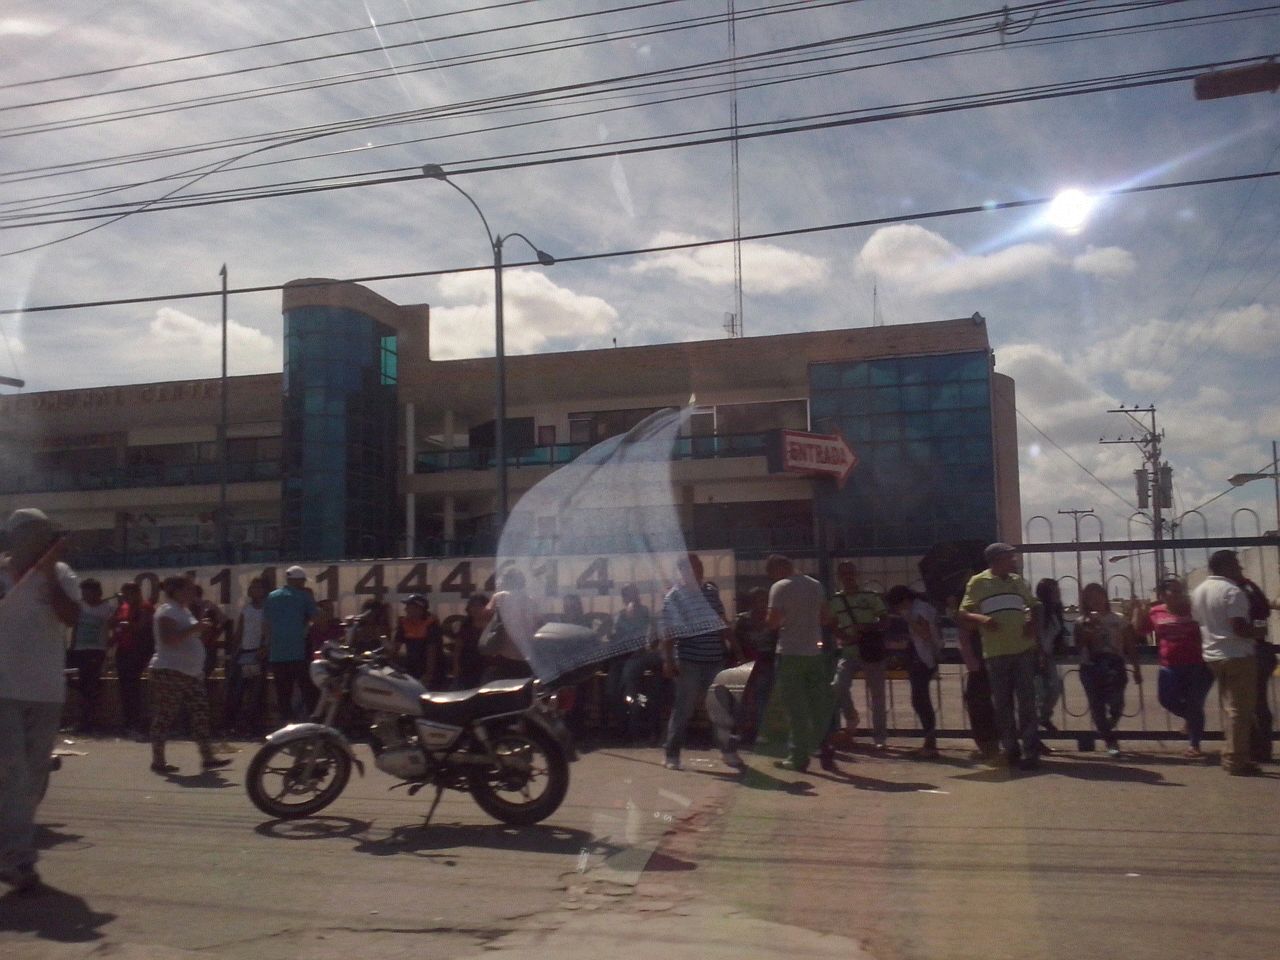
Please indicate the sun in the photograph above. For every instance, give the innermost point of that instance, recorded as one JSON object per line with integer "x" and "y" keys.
{"x": 1070, "y": 209}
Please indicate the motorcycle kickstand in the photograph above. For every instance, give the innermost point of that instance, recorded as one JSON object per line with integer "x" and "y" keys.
{"x": 434, "y": 803}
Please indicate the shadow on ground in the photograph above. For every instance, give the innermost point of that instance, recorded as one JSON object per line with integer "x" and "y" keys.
{"x": 51, "y": 914}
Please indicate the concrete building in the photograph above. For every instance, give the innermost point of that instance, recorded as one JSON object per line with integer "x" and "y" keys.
{"x": 364, "y": 446}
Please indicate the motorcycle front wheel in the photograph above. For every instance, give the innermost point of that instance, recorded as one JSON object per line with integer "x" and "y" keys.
{"x": 530, "y": 780}
{"x": 299, "y": 778}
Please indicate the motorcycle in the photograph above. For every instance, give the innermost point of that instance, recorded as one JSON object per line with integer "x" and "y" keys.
{"x": 502, "y": 742}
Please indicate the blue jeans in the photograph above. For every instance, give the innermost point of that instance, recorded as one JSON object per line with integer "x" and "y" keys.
{"x": 1048, "y": 687}
{"x": 28, "y": 730}
{"x": 1013, "y": 697}
{"x": 691, "y": 686}
{"x": 1182, "y": 691}
{"x": 921, "y": 680}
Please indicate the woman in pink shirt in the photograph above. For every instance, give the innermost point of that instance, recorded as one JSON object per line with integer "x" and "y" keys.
{"x": 1184, "y": 680}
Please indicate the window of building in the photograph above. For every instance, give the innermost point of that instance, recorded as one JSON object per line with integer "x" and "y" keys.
{"x": 758, "y": 417}
{"x": 921, "y": 427}
{"x": 598, "y": 425}
{"x": 547, "y": 435}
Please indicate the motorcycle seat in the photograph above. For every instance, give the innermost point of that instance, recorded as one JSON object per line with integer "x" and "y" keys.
{"x": 460, "y": 707}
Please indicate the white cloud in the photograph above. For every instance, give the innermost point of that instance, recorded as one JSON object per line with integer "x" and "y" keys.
{"x": 1147, "y": 381}
{"x": 198, "y": 342}
{"x": 535, "y": 310}
{"x": 1269, "y": 422}
{"x": 766, "y": 268}
{"x": 922, "y": 262}
{"x": 1110, "y": 263}
{"x": 1249, "y": 331}
{"x": 22, "y": 27}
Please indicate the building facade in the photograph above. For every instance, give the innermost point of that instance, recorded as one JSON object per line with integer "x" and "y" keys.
{"x": 366, "y": 447}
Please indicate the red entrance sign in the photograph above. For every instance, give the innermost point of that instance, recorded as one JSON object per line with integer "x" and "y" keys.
{"x": 817, "y": 453}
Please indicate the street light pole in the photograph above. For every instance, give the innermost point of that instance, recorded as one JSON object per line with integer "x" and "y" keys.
{"x": 434, "y": 171}
{"x": 1240, "y": 479}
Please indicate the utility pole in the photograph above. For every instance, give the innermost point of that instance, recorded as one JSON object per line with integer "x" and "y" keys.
{"x": 1075, "y": 516}
{"x": 223, "y": 539}
{"x": 1154, "y": 479}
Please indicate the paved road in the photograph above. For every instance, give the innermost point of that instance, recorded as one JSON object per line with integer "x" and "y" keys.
{"x": 1147, "y": 857}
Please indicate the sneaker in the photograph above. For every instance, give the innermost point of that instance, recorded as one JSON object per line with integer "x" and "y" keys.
{"x": 731, "y": 759}
{"x": 1194, "y": 753}
{"x": 159, "y": 766}
{"x": 827, "y": 761}
{"x": 213, "y": 763}
{"x": 23, "y": 878}
{"x": 791, "y": 765}
{"x": 881, "y": 745}
{"x": 1113, "y": 750}
{"x": 673, "y": 763}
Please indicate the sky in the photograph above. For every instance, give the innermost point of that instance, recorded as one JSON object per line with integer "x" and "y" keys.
{"x": 1168, "y": 297}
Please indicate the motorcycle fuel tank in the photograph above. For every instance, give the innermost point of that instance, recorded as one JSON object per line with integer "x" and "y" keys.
{"x": 388, "y": 690}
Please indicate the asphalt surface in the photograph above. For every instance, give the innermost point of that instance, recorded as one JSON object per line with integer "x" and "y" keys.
{"x": 1146, "y": 856}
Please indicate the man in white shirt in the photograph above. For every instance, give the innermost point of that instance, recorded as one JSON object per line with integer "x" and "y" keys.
{"x": 1227, "y": 637}
{"x": 37, "y": 605}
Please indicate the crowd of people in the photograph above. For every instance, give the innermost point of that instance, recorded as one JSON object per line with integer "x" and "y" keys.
{"x": 790, "y": 643}
{"x": 1012, "y": 641}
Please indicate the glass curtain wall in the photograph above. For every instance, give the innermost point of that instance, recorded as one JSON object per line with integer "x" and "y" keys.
{"x": 339, "y": 436}
{"x": 922, "y": 430}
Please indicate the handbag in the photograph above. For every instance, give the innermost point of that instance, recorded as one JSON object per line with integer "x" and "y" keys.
{"x": 493, "y": 638}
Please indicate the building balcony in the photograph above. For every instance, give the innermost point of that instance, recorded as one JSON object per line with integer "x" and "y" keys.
{"x": 139, "y": 475}
{"x": 723, "y": 446}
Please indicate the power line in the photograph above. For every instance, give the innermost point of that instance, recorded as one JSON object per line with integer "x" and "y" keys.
{"x": 22, "y": 220}
{"x": 63, "y": 169}
{"x": 381, "y": 72}
{"x": 254, "y": 46}
{"x": 1102, "y": 483}
{"x": 363, "y": 123}
{"x": 502, "y": 54}
{"x": 984, "y": 208}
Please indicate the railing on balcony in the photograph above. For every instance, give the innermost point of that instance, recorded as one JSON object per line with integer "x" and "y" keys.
{"x": 139, "y": 475}
{"x": 177, "y": 555}
{"x": 722, "y": 446}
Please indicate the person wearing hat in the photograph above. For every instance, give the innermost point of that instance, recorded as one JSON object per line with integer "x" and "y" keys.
{"x": 1000, "y": 605}
{"x": 37, "y": 605}
{"x": 419, "y": 642}
{"x": 288, "y": 612}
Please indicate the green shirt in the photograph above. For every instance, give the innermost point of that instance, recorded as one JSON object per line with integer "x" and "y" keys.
{"x": 852, "y": 610}
{"x": 1007, "y": 600}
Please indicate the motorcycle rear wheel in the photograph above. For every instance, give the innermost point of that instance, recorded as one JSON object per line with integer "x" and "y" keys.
{"x": 531, "y": 781}
{"x": 299, "y": 778}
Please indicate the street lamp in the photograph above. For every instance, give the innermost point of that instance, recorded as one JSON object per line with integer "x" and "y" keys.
{"x": 434, "y": 171}
{"x": 1240, "y": 479}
